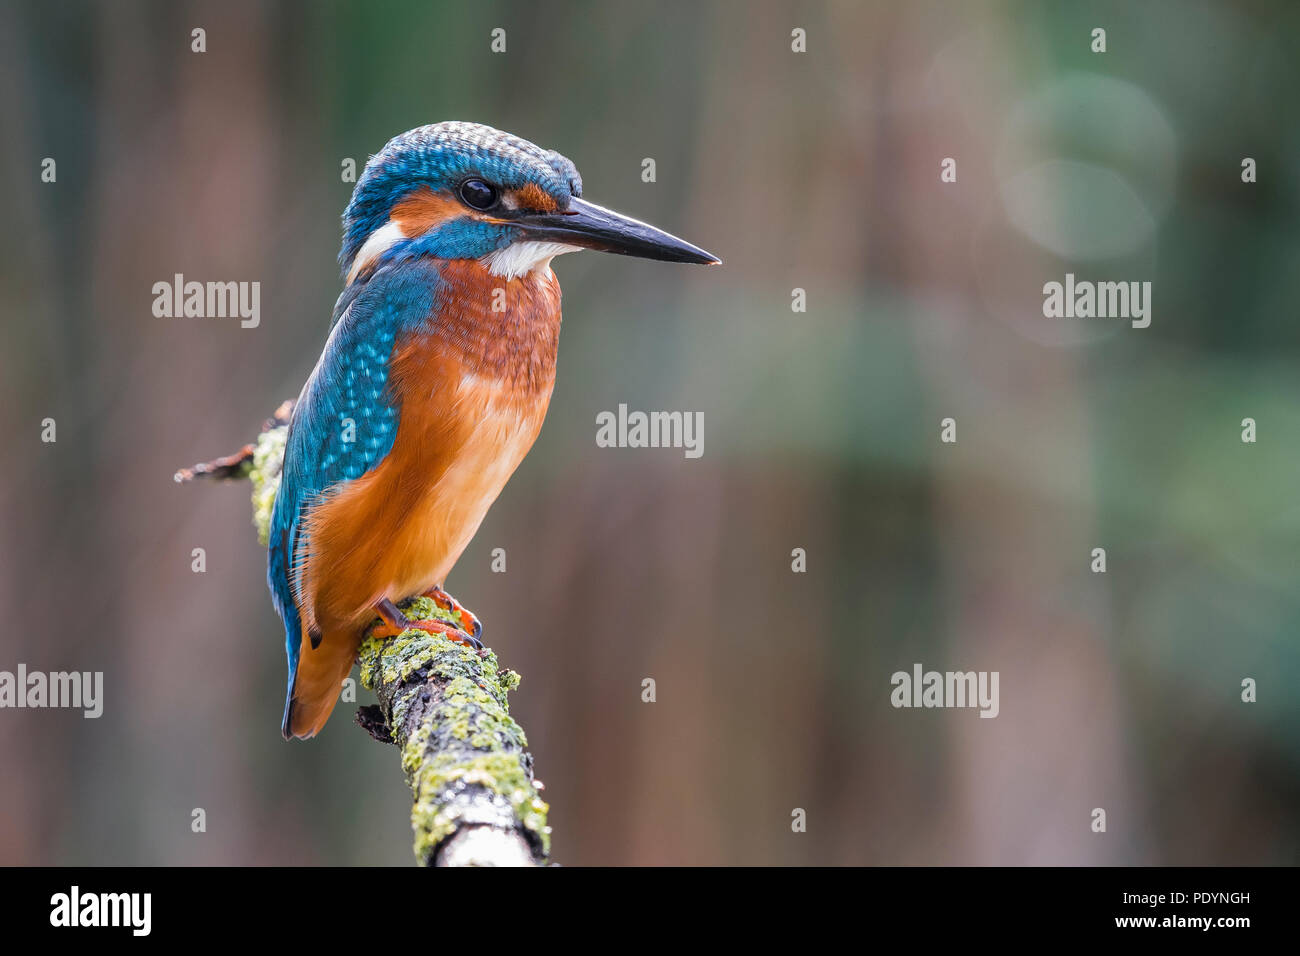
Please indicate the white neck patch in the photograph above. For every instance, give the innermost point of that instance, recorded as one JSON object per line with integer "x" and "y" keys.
{"x": 375, "y": 246}
{"x": 521, "y": 258}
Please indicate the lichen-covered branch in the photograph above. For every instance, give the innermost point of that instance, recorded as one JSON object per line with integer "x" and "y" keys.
{"x": 444, "y": 706}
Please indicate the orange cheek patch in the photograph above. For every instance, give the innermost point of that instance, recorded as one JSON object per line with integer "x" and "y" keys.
{"x": 423, "y": 210}
{"x": 535, "y": 197}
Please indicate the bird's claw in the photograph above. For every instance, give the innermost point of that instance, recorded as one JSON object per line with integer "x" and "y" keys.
{"x": 429, "y": 625}
{"x": 471, "y": 626}
{"x": 449, "y": 631}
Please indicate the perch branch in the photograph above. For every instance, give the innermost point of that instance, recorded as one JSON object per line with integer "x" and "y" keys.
{"x": 444, "y": 706}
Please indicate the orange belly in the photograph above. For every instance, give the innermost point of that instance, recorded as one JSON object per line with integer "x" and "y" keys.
{"x": 399, "y": 529}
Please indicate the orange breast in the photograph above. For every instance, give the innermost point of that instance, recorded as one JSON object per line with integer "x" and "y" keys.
{"x": 474, "y": 388}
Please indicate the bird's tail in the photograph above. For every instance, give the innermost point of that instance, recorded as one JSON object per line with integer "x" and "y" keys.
{"x": 317, "y": 681}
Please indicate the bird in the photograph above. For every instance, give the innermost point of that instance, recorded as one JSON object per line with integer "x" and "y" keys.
{"x": 431, "y": 388}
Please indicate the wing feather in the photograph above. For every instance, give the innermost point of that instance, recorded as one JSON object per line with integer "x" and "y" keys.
{"x": 343, "y": 424}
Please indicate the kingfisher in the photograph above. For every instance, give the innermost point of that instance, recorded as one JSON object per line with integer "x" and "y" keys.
{"x": 431, "y": 388}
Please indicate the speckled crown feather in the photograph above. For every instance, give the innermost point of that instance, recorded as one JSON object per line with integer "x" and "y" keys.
{"x": 440, "y": 155}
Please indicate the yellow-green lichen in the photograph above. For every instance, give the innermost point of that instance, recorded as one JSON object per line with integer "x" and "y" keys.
{"x": 435, "y": 815}
{"x": 465, "y": 737}
{"x": 411, "y": 650}
{"x": 413, "y": 752}
{"x": 265, "y": 474}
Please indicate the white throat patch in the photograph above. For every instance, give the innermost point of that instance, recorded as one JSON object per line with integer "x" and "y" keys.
{"x": 521, "y": 258}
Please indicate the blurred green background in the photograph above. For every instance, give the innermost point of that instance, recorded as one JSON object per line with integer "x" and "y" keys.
{"x": 817, "y": 171}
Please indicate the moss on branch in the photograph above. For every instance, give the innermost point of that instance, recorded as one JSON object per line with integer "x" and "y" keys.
{"x": 264, "y": 472}
{"x": 445, "y": 705}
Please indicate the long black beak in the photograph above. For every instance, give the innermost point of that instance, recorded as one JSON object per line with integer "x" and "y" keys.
{"x": 595, "y": 227}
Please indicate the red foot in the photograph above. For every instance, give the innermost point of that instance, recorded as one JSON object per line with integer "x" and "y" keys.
{"x": 468, "y": 619}
{"x": 394, "y": 622}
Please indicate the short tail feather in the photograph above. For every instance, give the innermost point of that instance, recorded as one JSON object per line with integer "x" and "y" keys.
{"x": 323, "y": 665}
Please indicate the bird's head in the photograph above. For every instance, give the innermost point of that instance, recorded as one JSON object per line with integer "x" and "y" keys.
{"x": 465, "y": 191}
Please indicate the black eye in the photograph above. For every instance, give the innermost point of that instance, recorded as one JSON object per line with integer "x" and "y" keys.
{"x": 478, "y": 194}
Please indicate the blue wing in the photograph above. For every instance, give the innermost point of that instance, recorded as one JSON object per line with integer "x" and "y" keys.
{"x": 348, "y": 385}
